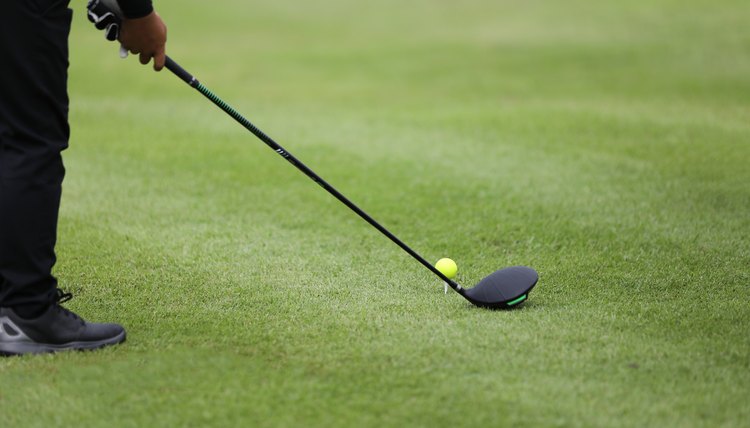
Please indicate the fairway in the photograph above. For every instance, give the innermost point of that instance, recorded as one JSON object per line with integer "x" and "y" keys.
{"x": 605, "y": 144}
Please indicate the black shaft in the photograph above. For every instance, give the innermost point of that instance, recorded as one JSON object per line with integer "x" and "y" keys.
{"x": 192, "y": 81}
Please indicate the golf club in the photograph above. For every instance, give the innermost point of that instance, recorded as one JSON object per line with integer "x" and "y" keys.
{"x": 504, "y": 288}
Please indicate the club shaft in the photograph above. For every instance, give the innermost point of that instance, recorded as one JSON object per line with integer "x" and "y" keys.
{"x": 192, "y": 81}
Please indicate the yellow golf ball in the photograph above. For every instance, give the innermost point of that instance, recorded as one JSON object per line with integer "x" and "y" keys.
{"x": 447, "y": 267}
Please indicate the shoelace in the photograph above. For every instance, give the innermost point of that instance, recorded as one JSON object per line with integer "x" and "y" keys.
{"x": 63, "y": 297}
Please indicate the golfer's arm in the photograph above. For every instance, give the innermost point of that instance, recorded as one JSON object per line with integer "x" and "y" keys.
{"x": 133, "y": 9}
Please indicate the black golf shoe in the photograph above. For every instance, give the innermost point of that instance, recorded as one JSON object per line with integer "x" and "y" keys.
{"x": 57, "y": 329}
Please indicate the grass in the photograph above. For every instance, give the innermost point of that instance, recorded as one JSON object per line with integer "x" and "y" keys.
{"x": 605, "y": 144}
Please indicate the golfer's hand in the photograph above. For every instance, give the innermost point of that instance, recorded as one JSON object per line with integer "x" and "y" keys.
{"x": 147, "y": 37}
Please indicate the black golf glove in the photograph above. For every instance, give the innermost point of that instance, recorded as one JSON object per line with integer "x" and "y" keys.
{"x": 104, "y": 18}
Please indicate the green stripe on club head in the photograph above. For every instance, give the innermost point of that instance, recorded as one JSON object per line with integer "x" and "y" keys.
{"x": 517, "y": 301}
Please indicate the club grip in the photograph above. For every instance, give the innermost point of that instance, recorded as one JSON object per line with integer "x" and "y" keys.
{"x": 180, "y": 72}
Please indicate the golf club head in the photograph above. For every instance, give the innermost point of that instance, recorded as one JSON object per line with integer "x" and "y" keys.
{"x": 504, "y": 288}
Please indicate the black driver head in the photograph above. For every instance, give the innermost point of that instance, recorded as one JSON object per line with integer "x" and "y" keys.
{"x": 505, "y": 288}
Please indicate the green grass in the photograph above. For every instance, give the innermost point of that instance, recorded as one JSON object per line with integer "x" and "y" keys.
{"x": 606, "y": 144}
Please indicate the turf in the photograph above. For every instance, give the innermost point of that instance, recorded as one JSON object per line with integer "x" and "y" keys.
{"x": 606, "y": 144}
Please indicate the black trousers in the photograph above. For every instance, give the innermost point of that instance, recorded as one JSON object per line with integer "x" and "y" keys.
{"x": 33, "y": 132}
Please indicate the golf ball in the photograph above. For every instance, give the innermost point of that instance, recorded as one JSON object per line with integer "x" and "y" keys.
{"x": 447, "y": 267}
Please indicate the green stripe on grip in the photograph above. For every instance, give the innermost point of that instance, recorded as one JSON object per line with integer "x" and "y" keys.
{"x": 226, "y": 107}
